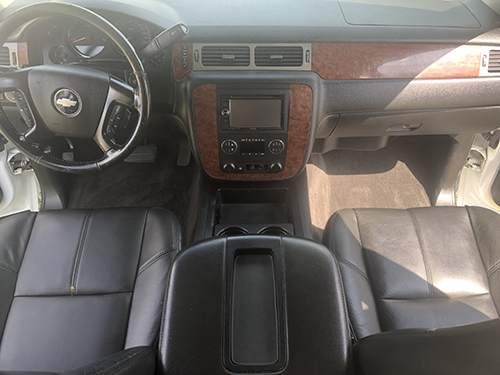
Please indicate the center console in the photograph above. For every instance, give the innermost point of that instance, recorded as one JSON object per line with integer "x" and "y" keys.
{"x": 255, "y": 304}
{"x": 252, "y": 133}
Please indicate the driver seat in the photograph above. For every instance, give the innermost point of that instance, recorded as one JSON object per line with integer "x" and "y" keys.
{"x": 83, "y": 290}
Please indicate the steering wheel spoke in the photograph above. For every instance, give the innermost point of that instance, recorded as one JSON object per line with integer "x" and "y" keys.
{"x": 16, "y": 81}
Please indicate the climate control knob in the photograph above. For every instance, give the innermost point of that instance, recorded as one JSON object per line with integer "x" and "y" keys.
{"x": 276, "y": 146}
{"x": 276, "y": 167}
{"x": 229, "y": 146}
{"x": 229, "y": 168}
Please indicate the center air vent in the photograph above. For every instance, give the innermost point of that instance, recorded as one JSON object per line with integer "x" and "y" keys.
{"x": 4, "y": 56}
{"x": 279, "y": 56}
{"x": 494, "y": 61}
{"x": 225, "y": 56}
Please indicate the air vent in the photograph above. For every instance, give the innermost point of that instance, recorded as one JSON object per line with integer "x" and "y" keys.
{"x": 494, "y": 61}
{"x": 225, "y": 56}
{"x": 279, "y": 56}
{"x": 4, "y": 56}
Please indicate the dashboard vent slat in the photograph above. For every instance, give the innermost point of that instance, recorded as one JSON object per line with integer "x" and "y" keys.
{"x": 494, "y": 61}
{"x": 279, "y": 56}
{"x": 225, "y": 56}
{"x": 4, "y": 56}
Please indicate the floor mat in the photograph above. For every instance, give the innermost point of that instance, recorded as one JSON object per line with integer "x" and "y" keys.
{"x": 400, "y": 175}
{"x": 159, "y": 184}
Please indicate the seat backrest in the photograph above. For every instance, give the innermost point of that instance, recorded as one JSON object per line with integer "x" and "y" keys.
{"x": 419, "y": 268}
{"x": 77, "y": 285}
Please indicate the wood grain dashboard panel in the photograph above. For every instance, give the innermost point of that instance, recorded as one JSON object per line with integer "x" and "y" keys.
{"x": 341, "y": 61}
{"x": 179, "y": 71}
{"x": 383, "y": 61}
{"x": 299, "y": 124}
{"x": 22, "y": 50}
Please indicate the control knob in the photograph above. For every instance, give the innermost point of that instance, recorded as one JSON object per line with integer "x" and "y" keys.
{"x": 276, "y": 146}
{"x": 276, "y": 167}
{"x": 229, "y": 167}
{"x": 229, "y": 146}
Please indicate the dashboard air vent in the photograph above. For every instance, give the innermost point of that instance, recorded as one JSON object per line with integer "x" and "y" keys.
{"x": 225, "y": 56}
{"x": 4, "y": 56}
{"x": 279, "y": 56}
{"x": 494, "y": 61}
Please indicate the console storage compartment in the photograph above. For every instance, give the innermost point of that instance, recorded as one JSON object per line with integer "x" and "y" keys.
{"x": 255, "y": 304}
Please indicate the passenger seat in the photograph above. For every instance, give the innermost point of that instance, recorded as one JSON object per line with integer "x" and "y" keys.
{"x": 419, "y": 268}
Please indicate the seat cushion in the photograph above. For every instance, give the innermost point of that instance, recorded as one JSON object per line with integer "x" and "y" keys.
{"x": 418, "y": 268}
{"x": 78, "y": 285}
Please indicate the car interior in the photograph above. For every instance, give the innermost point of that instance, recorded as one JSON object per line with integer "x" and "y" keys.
{"x": 249, "y": 187}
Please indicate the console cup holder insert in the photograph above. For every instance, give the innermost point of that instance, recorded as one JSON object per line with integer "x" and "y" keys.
{"x": 232, "y": 231}
{"x": 274, "y": 231}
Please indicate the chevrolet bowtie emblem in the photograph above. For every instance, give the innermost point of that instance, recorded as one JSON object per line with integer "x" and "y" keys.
{"x": 65, "y": 102}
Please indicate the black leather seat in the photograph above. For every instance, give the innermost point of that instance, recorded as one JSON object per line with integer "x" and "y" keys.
{"x": 78, "y": 285}
{"x": 419, "y": 268}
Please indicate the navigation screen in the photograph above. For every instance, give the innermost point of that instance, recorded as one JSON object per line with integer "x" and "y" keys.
{"x": 255, "y": 113}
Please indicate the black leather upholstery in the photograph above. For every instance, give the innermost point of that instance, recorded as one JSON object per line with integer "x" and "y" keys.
{"x": 79, "y": 285}
{"x": 419, "y": 268}
{"x": 462, "y": 350}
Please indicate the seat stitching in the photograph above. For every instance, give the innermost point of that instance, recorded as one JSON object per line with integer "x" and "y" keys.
{"x": 154, "y": 259}
{"x": 79, "y": 251}
{"x": 65, "y": 295}
{"x": 493, "y": 269}
{"x": 435, "y": 298}
{"x": 428, "y": 272}
{"x": 354, "y": 267}
{"x": 131, "y": 304}
{"x": 8, "y": 269}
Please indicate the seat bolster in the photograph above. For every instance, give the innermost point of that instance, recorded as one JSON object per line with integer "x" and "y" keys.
{"x": 342, "y": 237}
{"x": 162, "y": 242}
{"x": 133, "y": 361}
{"x": 461, "y": 350}
{"x": 15, "y": 232}
{"x": 485, "y": 225}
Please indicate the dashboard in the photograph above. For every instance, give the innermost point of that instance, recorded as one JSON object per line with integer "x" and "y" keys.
{"x": 346, "y": 75}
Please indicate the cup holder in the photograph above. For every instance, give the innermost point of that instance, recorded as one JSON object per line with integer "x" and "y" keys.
{"x": 232, "y": 231}
{"x": 274, "y": 231}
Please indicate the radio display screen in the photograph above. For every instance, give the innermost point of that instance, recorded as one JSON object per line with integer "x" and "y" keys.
{"x": 255, "y": 113}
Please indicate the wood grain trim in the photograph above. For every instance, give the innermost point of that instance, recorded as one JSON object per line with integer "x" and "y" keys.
{"x": 22, "y": 51}
{"x": 179, "y": 71}
{"x": 299, "y": 124}
{"x": 385, "y": 61}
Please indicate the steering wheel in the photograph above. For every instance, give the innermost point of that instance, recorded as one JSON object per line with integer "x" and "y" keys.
{"x": 74, "y": 100}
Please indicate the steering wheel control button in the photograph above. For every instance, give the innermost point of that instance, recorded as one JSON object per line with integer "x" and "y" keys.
{"x": 119, "y": 120}
{"x": 68, "y": 102}
{"x": 276, "y": 168}
{"x": 229, "y": 146}
{"x": 276, "y": 146}
{"x": 23, "y": 108}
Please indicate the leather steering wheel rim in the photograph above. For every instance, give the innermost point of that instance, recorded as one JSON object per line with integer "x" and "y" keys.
{"x": 141, "y": 95}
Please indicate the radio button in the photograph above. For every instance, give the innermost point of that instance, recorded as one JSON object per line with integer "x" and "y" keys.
{"x": 229, "y": 146}
{"x": 276, "y": 146}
